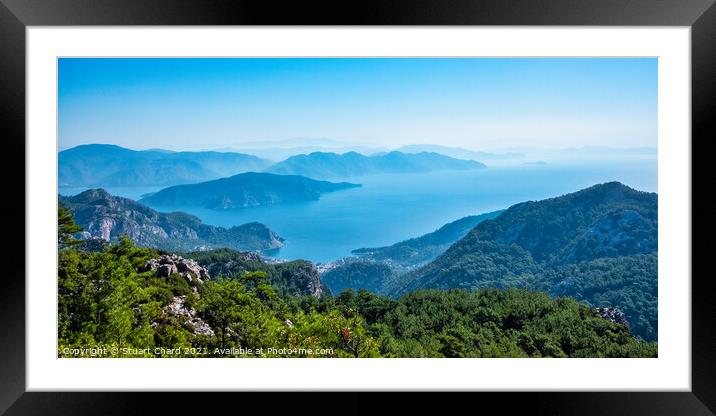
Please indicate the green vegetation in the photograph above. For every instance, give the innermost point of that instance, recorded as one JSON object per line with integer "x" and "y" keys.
{"x": 628, "y": 283}
{"x": 358, "y": 275}
{"x": 66, "y": 227}
{"x": 295, "y": 278}
{"x": 107, "y": 301}
{"x": 490, "y": 323}
{"x": 598, "y": 245}
{"x": 420, "y": 250}
{"x": 104, "y": 301}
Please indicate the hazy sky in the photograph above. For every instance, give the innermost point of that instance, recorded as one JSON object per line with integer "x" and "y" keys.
{"x": 477, "y": 103}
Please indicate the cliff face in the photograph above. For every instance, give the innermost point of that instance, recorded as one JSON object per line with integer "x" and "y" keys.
{"x": 107, "y": 217}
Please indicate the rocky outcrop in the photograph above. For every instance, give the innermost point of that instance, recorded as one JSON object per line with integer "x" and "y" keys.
{"x": 613, "y": 315}
{"x": 188, "y": 316}
{"x": 169, "y": 264}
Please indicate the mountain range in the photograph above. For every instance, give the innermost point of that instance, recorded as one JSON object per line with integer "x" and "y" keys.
{"x": 107, "y": 217}
{"x": 328, "y": 165}
{"x": 104, "y": 165}
{"x": 245, "y": 190}
{"x": 279, "y": 154}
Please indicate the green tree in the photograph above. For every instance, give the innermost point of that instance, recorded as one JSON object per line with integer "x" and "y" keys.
{"x": 66, "y": 227}
{"x": 220, "y": 305}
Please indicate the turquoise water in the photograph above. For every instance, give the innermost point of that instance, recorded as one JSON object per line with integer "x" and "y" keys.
{"x": 394, "y": 207}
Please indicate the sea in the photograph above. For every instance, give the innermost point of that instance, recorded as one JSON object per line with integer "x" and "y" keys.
{"x": 389, "y": 208}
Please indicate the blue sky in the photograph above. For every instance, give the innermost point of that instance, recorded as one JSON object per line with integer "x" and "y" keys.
{"x": 476, "y": 103}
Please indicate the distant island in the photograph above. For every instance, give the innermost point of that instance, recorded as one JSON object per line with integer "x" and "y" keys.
{"x": 106, "y": 217}
{"x": 245, "y": 190}
{"x": 458, "y": 152}
{"x": 328, "y": 165}
{"x": 104, "y": 165}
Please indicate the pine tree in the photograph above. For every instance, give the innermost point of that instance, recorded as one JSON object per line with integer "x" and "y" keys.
{"x": 66, "y": 227}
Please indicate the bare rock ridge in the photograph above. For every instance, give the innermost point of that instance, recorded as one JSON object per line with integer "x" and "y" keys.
{"x": 179, "y": 309}
{"x": 107, "y": 217}
{"x": 170, "y": 264}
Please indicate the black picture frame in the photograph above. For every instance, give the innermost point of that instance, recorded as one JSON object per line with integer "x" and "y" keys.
{"x": 16, "y": 15}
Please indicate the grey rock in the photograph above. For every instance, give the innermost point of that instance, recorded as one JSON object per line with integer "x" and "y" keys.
{"x": 168, "y": 264}
{"x": 188, "y": 316}
{"x": 613, "y": 315}
{"x": 166, "y": 270}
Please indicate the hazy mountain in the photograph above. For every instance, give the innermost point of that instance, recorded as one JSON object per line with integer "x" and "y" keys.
{"x": 332, "y": 165}
{"x": 280, "y": 153}
{"x": 103, "y": 165}
{"x": 104, "y": 216}
{"x": 157, "y": 149}
{"x": 598, "y": 245}
{"x": 245, "y": 190}
{"x": 419, "y": 250}
{"x": 458, "y": 153}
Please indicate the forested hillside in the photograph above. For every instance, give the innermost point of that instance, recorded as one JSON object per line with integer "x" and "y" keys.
{"x": 140, "y": 302}
{"x": 598, "y": 245}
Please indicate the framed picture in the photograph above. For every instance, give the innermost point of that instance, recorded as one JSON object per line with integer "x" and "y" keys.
{"x": 408, "y": 198}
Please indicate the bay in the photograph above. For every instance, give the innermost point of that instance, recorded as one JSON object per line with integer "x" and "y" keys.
{"x": 393, "y": 207}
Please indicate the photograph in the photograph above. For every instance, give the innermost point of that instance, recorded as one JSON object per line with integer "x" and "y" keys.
{"x": 357, "y": 207}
